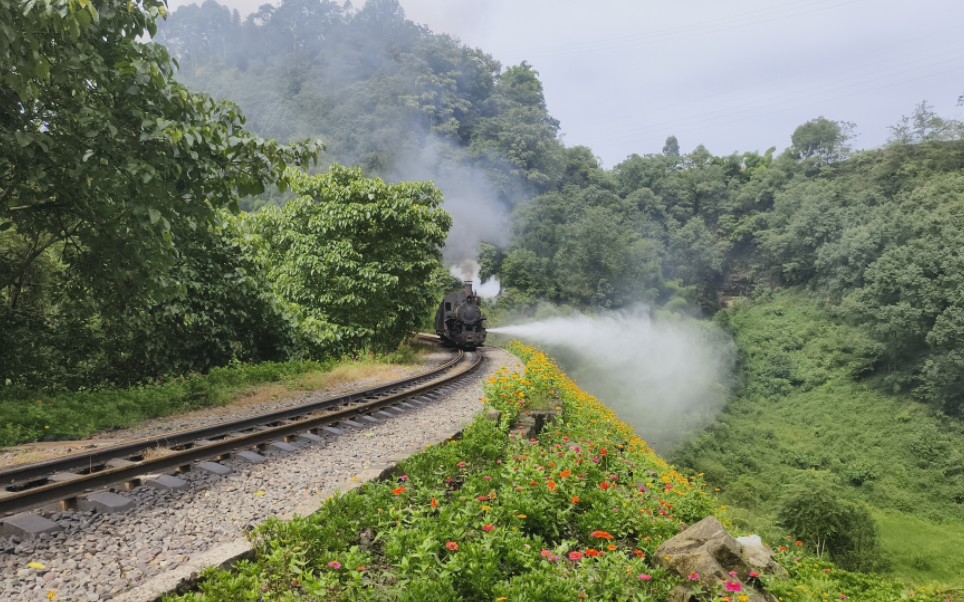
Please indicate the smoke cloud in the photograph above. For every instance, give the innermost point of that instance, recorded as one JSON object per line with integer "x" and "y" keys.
{"x": 469, "y": 269}
{"x": 667, "y": 376}
{"x": 470, "y": 198}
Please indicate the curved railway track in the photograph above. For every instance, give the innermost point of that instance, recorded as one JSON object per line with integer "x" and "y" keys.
{"x": 63, "y": 480}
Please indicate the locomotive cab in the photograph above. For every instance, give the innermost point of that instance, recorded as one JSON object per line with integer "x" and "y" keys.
{"x": 459, "y": 319}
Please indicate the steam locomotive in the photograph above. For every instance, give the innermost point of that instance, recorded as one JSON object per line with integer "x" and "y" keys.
{"x": 459, "y": 320}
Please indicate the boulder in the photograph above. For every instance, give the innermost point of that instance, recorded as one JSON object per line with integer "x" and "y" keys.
{"x": 707, "y": 549}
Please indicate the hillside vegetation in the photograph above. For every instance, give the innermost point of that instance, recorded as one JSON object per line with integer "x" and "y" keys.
{"x": 803, "y": 419}
{"x": 575, "y": 514}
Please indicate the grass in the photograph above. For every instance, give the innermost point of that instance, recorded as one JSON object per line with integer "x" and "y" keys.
{"x": 64, "y": 416}
{"x": 803, "y": 413}
{"x": 922, "y": 550}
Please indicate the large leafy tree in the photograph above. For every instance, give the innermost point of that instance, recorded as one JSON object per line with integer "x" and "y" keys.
{"x": 822, "y": 140}
{"x": 110, "y": 172}
{"x": 353, "y": 257}
{"x": 102, "y": 152}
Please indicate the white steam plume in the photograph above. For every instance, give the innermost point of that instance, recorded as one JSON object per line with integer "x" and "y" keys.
{"x": 470, "y": 197}
{"x": 667, "y": 377}
{"x": 469, "y": 269}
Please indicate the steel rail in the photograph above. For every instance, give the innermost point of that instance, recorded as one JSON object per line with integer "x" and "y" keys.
{"x": 29, "y": 472}
{"x": 11, "y": 503}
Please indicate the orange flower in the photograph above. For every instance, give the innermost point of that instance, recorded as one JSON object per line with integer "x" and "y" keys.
{"x": 799, "y": 544}
{"x": 611, "y": 547}
{"x": 565, "y": 474}
{"x": 434, "y": 503}
{"x": 576, "y": 500}
{"x": 551, "y": 485}
{"x": 591, "y": 553}
{"x": 452, "y": 546}
{"x": 601, "y": 535}
{"x": 640, "y": 553}
{"x": 399, "y": 491}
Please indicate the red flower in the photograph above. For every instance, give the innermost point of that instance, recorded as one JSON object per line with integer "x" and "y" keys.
{"x": 399, "y": 491}
{"x": 488, "y": 528}
{"x": 601, "y": 535}
{"x": 604, "y": 485}
{"x": 575, "y": 556}
{"x": 452, "y": 546}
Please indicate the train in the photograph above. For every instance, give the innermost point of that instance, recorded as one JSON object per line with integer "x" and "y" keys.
{"x": 459, "y": 320}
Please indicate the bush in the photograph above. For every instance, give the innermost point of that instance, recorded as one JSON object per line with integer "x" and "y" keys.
{"x": 821, "y": 517}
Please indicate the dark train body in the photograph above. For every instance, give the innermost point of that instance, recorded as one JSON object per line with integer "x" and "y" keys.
{"x": 459, "y": 320}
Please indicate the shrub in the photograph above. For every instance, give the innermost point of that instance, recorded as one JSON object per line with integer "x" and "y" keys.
{"x": 818, "y": 514}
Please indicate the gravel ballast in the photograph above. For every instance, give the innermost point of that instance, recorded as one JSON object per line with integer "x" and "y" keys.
{"x": 170, "y": 536}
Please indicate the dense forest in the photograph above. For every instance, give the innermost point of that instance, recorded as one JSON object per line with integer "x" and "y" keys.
{"x": 150, "y": 226}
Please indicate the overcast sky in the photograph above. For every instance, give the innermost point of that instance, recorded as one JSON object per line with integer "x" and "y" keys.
{"x": 733, "y": 75}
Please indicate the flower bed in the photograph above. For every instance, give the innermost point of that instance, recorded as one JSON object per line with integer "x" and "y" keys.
{"x": 574, "y": 514}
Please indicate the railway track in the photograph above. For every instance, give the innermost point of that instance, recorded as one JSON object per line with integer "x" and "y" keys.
{"x": 64, "y": 480}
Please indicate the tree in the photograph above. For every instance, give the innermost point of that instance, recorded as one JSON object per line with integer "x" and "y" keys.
{"x": 823, "y": 140}
{"x": 352, "y": 258}
{"x": 924, "y": 125}
{"x": 820, "y": 516}
{"x": 103, "y": 153}
{"x": 671, "y": 148}
{"x": 108, "y": 171}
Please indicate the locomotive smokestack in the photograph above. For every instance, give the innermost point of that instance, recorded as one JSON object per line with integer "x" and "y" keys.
{"x": 468, "y": 288}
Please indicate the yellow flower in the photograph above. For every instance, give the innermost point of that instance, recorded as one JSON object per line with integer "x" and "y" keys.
{"x": 36, "y": 565}
{"x": 51, "y": 595}
{"x": 522, "y": 516}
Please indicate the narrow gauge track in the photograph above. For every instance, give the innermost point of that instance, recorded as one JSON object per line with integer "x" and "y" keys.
{"x": 33, "y": 485}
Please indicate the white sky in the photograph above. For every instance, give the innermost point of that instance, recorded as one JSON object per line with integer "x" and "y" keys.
{"x": 733, "y": 75}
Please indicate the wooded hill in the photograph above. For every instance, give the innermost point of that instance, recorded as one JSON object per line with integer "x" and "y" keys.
{"x": 875, "y": 233}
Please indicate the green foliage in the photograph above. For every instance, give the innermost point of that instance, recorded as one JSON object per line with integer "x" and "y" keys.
{"x": 822, "y": 140}
{"x": 111, "y": 174}
{"x": 822, "y": 517}
{"x": 803, "y": 408}
{"x": 37, "y": 416}
{"x": 352, "y": 257}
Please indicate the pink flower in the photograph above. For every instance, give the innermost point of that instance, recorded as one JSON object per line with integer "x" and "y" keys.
{"x": 733, "y": 586}
{"x": 694, "y": 577}
{"x": 575, "y": 556}
{"x": 546, "y": 553}
{"x": 488, "y": 528}
{"x": 645, "y": 577}
{"x": 334, "y": 565}
{"x": 403, "y": 478}
{"x": 754, "y": 575}
{"x": 452, "y": 546}
{"x": 733, "y": 574}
